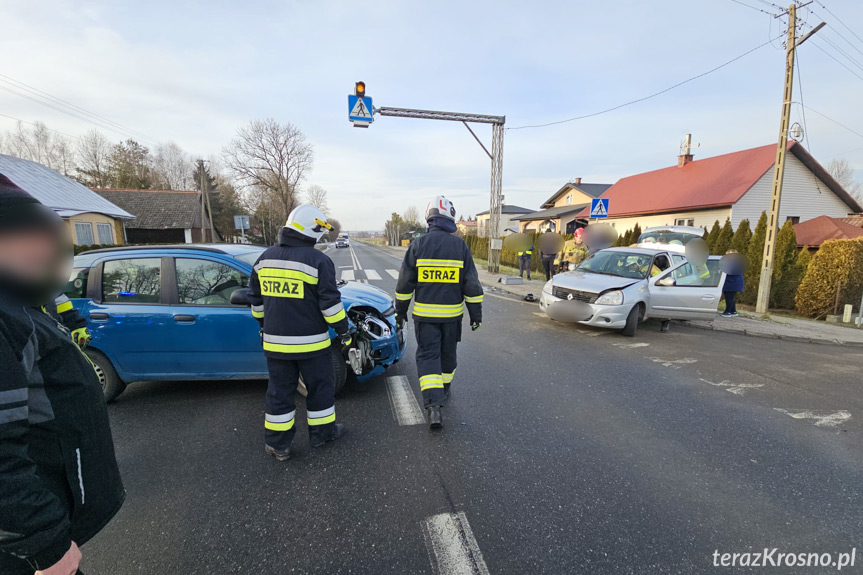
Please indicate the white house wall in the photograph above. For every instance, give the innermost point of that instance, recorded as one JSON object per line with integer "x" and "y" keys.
{"x": 702, "y": 218}
{"x": 803, "y": 195}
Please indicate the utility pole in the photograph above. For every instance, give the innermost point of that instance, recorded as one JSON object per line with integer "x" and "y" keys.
{"x": 203, "y": 211}
{"x": 763, "y": 302}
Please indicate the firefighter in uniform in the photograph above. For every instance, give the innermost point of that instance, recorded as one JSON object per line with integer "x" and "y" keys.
{"x": 62, "y": 311}
{"x": 295, "y": 298}
{"x": 438, "y": 273}
{"x": 524, "y": 260}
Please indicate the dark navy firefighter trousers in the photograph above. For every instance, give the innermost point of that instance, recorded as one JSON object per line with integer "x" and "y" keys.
{"x": 436, "y": 358}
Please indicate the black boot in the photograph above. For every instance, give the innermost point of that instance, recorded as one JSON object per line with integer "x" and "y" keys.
{"x": 446, "y": 392}
{"x": 435, "y": 419}
{"x": 318, "y": 438}
{"x": 665, "y": 326}
{"x": 277, "y": 453}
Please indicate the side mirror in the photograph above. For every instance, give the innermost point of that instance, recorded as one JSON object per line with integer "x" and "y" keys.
{"x": 241, "y": 297}
{"x": 667, "y": 281}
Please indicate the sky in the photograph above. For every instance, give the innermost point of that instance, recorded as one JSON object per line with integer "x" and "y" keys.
{"x": 194, "y": 72}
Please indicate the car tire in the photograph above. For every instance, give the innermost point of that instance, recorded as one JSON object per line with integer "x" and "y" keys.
{"x": 340, "y": 368}
{"x": 112, "y": 385}
{"x": 632, "y": 321}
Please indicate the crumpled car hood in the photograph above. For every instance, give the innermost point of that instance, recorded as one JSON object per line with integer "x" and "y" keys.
{"x": 590, "y": 282}
{"x": 355, "y": 293}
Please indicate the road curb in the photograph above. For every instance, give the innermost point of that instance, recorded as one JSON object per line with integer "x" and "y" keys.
{"x": 765, "y": 335}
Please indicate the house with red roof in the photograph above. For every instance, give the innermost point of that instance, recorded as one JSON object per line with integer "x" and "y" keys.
{"x": 736, "y": 186}
{"x": 812, "y": 233}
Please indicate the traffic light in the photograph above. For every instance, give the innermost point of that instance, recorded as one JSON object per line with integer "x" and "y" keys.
{"x": 360, "y": 90}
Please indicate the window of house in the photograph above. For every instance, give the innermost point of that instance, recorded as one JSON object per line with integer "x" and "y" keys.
{"x": 132, "y": 281}
{"x": 105, "y": 233}
{"x": 569, "y": 199}
{"x": 84, "y": 233}
{"x": 205, "y": 282}
{"x": 794, "y": 219}
{"x": 684, "y": 222}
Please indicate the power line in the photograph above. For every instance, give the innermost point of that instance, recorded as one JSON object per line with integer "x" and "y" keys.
{"x": 655, "y": 94}
{"x": 752, "y": 7}
{"x": 44, "y": 98}
{"x": 838, "y": 19}
{"x": 802, "y": 105}
{"x": 42, "y": 126}
{"x": 832, "y": 57}
{"x": 842, "y": 52}
{"x": 838, "y": 123}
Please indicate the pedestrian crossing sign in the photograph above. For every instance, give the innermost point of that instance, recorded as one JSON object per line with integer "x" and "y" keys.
{"x": 360, "y": 110}
{"x": 599, "y": 208}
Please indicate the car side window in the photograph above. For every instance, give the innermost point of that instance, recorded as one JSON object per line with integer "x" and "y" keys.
{"x": 136, "y": 280}
{"x": 205, "y": 282}
{"x": 76, "y": 287}
{"x": 689, "y": 274}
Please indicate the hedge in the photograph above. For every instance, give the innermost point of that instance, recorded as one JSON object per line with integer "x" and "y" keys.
{"x": 836, "y": 269}
{"x": 479, "y": 250}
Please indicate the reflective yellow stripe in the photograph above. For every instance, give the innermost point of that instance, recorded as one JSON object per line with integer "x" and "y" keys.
{"x": 282, "y": 422}
{"x": 257, "y": 314}
{"x": 64, "y": 307}
{"x": 322, "y": 417}
{"x": 434, "y": 381}
{"x": 447, "y": 377}
{"x": 438, "y": 310}
{"x": 296, "y": 347}
{"x": 441, "y": 263}
{"x": 473, "y": 299}
{"x": 404, "y": 296}
{"x": 287, "y": 274}
{"x": 336, "y": 317}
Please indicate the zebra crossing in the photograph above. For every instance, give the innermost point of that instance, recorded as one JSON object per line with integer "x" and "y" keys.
{"x": 366, "y": 276}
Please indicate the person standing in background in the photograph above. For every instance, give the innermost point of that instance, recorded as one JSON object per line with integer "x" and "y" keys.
{"x": 733, "y": 282}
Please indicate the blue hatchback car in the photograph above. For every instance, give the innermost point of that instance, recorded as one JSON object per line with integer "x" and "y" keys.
{"x": 165, "y": 313}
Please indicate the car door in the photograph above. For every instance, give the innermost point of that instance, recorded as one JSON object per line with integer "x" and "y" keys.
{"x": 212, "y": 338}
{"x": 128, "y": 317}
{"x": 686, "y": 291}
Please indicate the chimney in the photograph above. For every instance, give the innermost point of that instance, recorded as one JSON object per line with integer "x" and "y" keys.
{"x": 577, "y": 181}
{"x": 685, "y": 151}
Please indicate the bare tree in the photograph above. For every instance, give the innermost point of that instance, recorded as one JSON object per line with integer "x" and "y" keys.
{"x": 412, "y": 215}
{"x": 39, "y": 144}
{"x": 842, "y": 172}
{"x": 172, "y": 167}
{"x": 94, "y": 159}
{"x": 268, "y": 161}
{"x": 317, "y": 196}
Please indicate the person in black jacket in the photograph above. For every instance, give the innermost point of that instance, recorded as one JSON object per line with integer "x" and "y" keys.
{"x": 61, "y": 309}
{"x": 438, "y": 273}
{"x": 295, "y": 298}
{"x": 59, "y": 480}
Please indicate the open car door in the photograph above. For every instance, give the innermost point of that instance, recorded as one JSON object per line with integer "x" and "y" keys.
{"x": 686, "y": 291}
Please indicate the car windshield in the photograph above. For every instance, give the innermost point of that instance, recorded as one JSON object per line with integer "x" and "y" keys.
{"x": 666, "y": 237}
{"x": 250, "y": 257}
{"x": 614, "y": 263}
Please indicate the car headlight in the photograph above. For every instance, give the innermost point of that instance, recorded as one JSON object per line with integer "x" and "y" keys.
{"x": 548, "y": 288}
{"x": 611, "y": 298}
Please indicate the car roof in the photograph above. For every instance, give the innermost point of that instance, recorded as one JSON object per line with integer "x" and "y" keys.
{"x": 227, "y": 249}
{"x": 634, "y": 250}
{"x": 695, "y": 231}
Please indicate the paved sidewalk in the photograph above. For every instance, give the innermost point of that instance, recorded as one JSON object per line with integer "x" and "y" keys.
{"x": 787, "y": 328}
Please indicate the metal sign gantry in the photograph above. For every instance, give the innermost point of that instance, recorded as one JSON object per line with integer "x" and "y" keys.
{"x": 496, "y": 156}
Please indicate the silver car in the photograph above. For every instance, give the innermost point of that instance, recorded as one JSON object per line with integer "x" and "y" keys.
{"x": 617, "y": 288}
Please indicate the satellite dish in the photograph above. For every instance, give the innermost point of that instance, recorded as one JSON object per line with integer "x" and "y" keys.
{"x": 796, "y": 132}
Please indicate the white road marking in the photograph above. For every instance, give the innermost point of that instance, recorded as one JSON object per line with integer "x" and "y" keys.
{"x": 452, "y": 547}
{"x": 673, "y": 363}
{"x": 346, "y": 267}
{"x": 348, "y": 275}
{"x": 593, "y": 333}
{"x": 394, "y": 274}
{"x": 735, "y": 388}
{"x": 539, "y": 314}
{"x": 631, "y": 345}
{"x": 406, "y": 408}
{"x": 820, "y": 417}
{"x": 372, "y": 275}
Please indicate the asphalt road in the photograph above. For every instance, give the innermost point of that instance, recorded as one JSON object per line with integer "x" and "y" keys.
{"x": 565, "y": 450}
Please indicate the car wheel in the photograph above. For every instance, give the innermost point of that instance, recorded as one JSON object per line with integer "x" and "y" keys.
{"x": 632, "y": 321}
{"x": 340, "y": 368}
{"x": 112, "y": 385}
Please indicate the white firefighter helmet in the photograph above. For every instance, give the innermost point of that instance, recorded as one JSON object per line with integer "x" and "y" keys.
{"x": 309, "y": 221}
{"x": 440, "y": 207}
